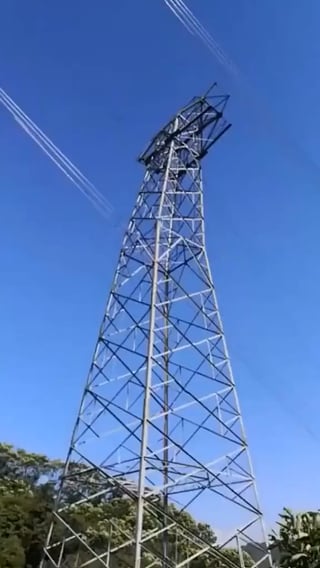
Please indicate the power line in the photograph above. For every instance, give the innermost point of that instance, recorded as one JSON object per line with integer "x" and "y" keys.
{"x": 85, "y": 186}
{"x": 194, "y": 26}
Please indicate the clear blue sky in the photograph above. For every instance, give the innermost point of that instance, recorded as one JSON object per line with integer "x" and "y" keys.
{"x": 100, "y": 78}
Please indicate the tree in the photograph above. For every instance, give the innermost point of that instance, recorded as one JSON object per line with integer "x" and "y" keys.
{"x": 28, "y": 485}
{"x": 298, "y": 539}
{"x": 25, "y": 517}
{"x": 27, "y": 489}
{"x": 12, "y": 553}
{"x": 233, "y": 555}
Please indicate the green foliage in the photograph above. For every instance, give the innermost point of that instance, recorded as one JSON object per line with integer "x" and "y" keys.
{"x": 11, "y": 553}
{"x": 298, "y": 539}
{"x": 28, "y": 486}
{"x": 25, "y": 517}
{"x": 233, "y": 555}
{"x": 25, "y": 505}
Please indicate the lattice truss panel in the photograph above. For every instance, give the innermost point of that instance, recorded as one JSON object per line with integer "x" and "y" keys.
{"x": 159, "y": 425}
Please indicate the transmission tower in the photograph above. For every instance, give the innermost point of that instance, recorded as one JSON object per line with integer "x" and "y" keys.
{"x": 159, "y": 429}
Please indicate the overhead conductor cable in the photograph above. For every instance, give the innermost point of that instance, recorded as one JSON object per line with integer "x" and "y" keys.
{"x": 73, "y": 173}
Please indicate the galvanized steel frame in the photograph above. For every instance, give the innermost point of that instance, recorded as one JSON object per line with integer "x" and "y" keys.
{"x": 160, "y": 421}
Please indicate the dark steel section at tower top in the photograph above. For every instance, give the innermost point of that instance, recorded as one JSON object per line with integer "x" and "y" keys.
{"x": 202, "y": 118}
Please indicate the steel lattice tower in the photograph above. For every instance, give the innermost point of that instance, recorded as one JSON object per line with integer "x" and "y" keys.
{"x": 159, "y": 425}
